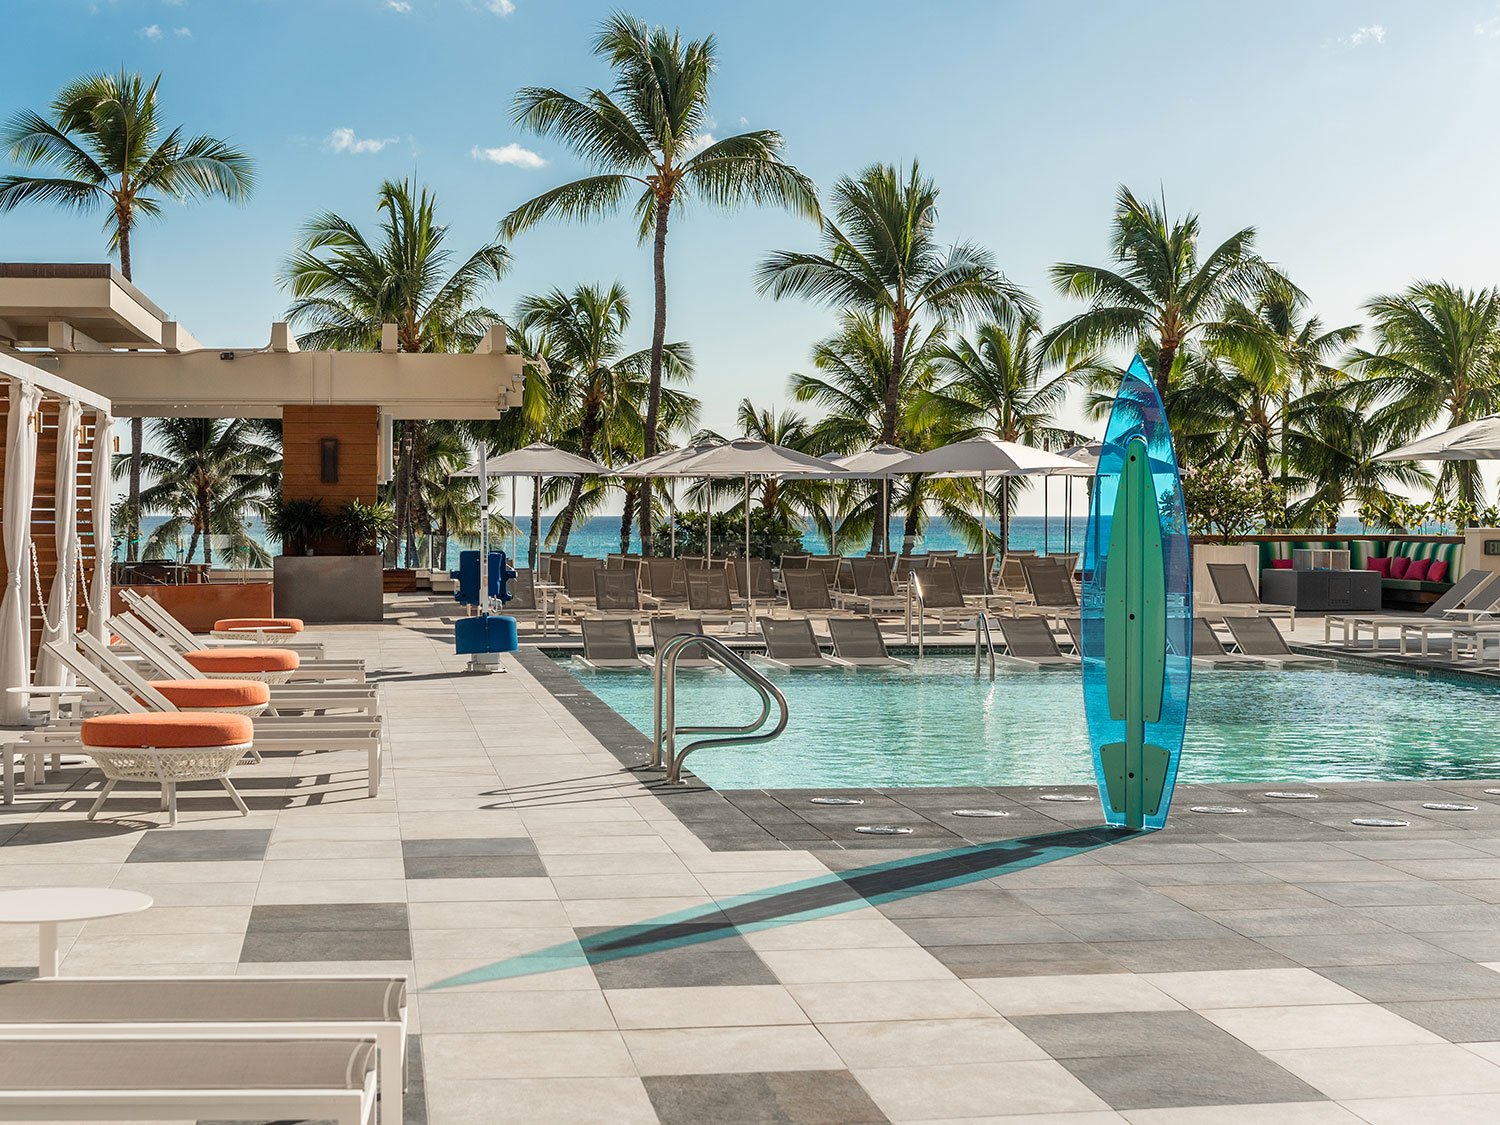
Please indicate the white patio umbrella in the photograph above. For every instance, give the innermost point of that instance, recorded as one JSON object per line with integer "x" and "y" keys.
{"x": 665, "y": 465}
{"x": 747, "y": 457}
{"x": 536, "y": 460}
{"x": 1478, "y": 440}
{"x": 983, "y": 457}
{"x": 880, "y": 462}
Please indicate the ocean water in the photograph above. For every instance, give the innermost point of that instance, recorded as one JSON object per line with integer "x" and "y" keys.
{"x": 600, "y": 536}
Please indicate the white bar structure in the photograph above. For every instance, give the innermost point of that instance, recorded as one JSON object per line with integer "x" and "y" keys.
{"x": 27, "y": 387}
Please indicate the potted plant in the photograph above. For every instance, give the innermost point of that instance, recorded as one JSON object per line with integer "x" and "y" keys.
{"x": 298, "y": 524}
{"x": 363, "y": 526}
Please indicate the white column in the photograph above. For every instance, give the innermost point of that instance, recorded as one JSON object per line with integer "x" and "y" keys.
{"x": 62, "y": 599}
{"x": 15, "y": 609}
{"x": 100, "y": 516}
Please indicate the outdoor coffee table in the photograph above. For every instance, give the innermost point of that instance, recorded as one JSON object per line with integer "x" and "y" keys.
{"x": 45, "y": 907}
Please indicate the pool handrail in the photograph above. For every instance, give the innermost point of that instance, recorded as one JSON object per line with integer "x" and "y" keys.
{"x": 664, "y": 686}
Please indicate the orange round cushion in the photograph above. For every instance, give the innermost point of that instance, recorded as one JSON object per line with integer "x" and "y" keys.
{"x": 264, "y": 624}
{"x": 242, "y": 659}
{"x": 214, "y": 693}
{"x": 167, "y": 731}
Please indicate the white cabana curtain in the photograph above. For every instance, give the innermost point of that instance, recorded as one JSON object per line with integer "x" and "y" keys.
{"x": 102, "y": 497}
{"x": 62, "y": 601}
{"x": 15, "y": 609}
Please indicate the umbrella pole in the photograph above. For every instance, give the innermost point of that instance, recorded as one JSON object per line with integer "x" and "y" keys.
{"x": 672, "y": 503}
{"x": 513, "y": 520}
{"x": 984, "y": 528}
{"x": 1046, "y": 516}
{"x": 885, "y": 514}
{"x": 484, "y": 527}
{"x": 749, "y": 584}
{"x": 708, "y": 523}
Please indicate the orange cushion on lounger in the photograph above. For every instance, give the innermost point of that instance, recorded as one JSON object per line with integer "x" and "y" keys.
{"x": 242, "y": 659}
{"x": 168, "y": 731}
{"x": 214, "y": 693}
{"x": 264, "y": 624}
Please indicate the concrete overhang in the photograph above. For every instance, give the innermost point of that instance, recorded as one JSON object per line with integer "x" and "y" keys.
{"x": 258, "y": 383}
{"x": 80, "y": 307}
{"x": 52, "y": 387}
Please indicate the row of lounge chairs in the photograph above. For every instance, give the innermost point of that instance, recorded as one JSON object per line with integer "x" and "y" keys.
{"x": 1466, "y": 614}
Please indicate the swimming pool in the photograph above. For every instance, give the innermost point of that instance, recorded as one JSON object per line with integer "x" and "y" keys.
{"x": 940, "y": 725}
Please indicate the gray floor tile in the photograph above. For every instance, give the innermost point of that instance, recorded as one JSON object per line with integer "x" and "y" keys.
{"x": 1192, "y": 955}
{"x": 1007, "y": 929}
{"x": 475, "y": 867}
{"x": 187, "y": 845}
{"x": 494, "y": 845}
{"x": 346, "y": 916}
{"x": 1098, "y": 1034}
{"x": 1458, "y": 1021}
{"x": 1175, "y": 925}
{"x": 326, "y": 945}
{"x": 1022, "y": 960}
{"x": 1390, "y": 983}
{"x": 1227, "y": 1076}
{"x": 1320, "y": 950}
{"x": 812, "y": 1097}
{"x": 725, "y": 960}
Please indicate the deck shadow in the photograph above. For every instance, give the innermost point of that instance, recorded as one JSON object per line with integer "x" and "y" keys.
{"x": 789, "y": 903}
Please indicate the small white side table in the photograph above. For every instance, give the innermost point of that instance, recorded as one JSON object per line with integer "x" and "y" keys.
{"x": 45, "y": 907}
{"x": 60, "y": 698}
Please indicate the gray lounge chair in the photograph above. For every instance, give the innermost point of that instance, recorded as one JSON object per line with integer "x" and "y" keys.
{"x": 609, "y": 643}
{"x": 934, "y": 591}
{"x": 1237, "y": 595}
{"x": 709, "y": 597}
{"x": 873, "y": 589}
{"x": 791, "y": 644}
{"x": 857, "y": 641}
{"x": 617, "y": 594}
{"x": 1472, "y": 590}
{"x": 1209, "y": 652}
{"x": 1259, "y": 636}
{"x": 169, "y": 1077}
{"x": 663, "y": 629}
{"x": 213, "y": 1006}
{"x": 666, "y": 580}
{"x": 1029, "y": 644}
{"x": 807, "y": 593}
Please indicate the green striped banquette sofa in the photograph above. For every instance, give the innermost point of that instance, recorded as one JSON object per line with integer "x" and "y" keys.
{"x": 1395, "y": 591}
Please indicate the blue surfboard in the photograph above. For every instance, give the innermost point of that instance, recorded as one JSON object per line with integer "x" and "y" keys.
{"x": 1137, "y": 612}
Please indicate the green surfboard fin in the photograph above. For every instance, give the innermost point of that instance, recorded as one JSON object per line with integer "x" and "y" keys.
{"x": 1135, "y": 641}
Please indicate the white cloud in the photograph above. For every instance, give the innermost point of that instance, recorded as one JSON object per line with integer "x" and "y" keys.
{"x": 174, "y": 3}
{"x": 500, "y": 7}
{"x": 1372, "y": 34}
{"x": 343, "y": 139}
{"x": 398, "y": 6}
{"x": 509, "y": 154}
{"x": 152, "y": 32}
{"x": 697, "y": 143}
{"x": 1489, "y": 29}
{"x": 185, "y": 32}
{"x": 744, "y": 122}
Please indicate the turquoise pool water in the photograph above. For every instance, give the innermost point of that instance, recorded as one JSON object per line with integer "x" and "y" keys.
{"x": 940, "y": 725}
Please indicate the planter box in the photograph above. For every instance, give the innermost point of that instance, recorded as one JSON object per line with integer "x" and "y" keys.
{"x": 200, "y": 604}
{"x": 330, "y": 589}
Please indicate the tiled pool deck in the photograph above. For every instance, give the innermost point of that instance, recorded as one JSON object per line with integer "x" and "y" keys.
{"x": 1279, "y": 965}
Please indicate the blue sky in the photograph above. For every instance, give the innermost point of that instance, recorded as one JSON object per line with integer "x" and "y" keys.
{"x": 1357, "y": 138}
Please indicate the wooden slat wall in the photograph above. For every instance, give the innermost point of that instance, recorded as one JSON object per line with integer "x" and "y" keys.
{"x": 303, "y": 429}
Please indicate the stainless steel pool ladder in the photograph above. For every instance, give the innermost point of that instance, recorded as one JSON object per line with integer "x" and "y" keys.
{"x": 982, "y": 632}
{"x": 664, "y": 712}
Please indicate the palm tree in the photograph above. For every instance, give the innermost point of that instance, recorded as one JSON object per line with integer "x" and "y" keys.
{"x": 651, "y": 133}
{"x": 1331, "y": 446}
{"x": 880, "y": 256}
{"x": 1160, "y": 290}
{"x": 1004, "y": 383}
{"x": 345, "y": 286}
{"x": 210, "y": 476}
{"x": 856, "y": 369}
{"x": 1437, "y": 359}
{"x": 106, "y": 140}
{"x": 585, "y": 330}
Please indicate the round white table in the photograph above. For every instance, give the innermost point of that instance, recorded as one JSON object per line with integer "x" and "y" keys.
{"x": 45, "y": 907}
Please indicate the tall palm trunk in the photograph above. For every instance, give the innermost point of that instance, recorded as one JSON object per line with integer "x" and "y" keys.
{"x": 137, "y": 427}
{"x": 205, "y": 516}
{"x": 536, "y": 521}
{"x": 909, "y": 531}
{"x": 586, "y": 450}
{"x": 1164, "y": 360}
{"x": 899, "y": 325}
{"x": 658, "y": 341}
{"x": 403, "y": 490}
{"x": 630, "y": 497}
